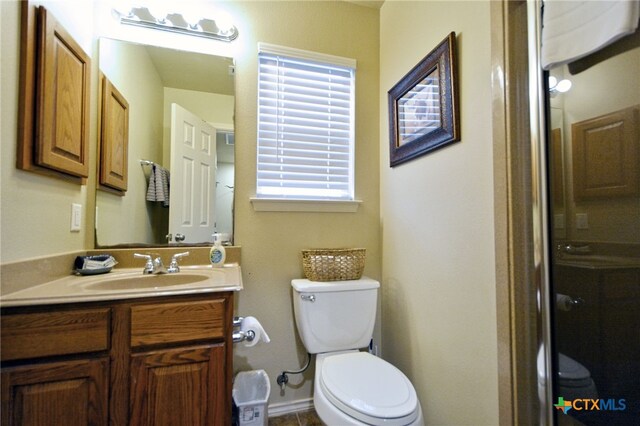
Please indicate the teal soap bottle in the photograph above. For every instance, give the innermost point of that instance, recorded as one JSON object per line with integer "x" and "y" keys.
{"x": 217, "y": 254}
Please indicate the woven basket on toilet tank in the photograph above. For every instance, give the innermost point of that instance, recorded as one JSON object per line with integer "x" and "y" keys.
{"x": 333, "y": 264}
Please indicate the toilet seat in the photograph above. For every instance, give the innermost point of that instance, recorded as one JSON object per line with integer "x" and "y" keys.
{"x": 369, "y": 389}
{"x": 572, "y": 373}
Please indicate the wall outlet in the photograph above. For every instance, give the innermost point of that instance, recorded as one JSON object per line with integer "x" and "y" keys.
{"x": 76, "y": 217}
{"x": 582, "y": 221}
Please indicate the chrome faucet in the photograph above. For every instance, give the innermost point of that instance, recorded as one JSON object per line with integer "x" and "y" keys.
{"x": 573, "y": 249}
{"x": 173, "y": 266}
{"x": 153, "y": 266}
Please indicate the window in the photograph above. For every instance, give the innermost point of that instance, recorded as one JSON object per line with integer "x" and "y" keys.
{"x": 305, "y": 125}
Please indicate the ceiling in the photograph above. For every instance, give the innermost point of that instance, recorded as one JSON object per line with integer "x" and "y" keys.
{"x": 193, "y": 71}
{"x": 368, "y": 3}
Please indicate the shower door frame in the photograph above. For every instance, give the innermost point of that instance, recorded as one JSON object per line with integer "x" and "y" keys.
{"x": 538, "y": 90}
{"x": 520, "y": 201}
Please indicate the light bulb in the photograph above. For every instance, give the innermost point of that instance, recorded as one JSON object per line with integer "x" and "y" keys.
{"x": 159, "y": 10}
{"x": 563, "y": 86}
{"x": 552, "y": 82}
{"x": 223, "y": 22}
{"x": 191, "y": 14}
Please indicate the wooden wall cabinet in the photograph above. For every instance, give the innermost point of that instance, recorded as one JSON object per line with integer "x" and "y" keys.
{"x": 114, "y": 138}
{"x": 54, "y": 98}
{"x": 148, "y": 361}
{"x": 606, "y": 155}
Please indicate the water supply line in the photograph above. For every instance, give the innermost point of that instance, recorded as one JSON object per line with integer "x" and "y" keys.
{"x": 283, "y": 379}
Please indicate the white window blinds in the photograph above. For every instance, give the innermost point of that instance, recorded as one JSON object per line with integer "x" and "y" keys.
{"x": 305, "y": 125}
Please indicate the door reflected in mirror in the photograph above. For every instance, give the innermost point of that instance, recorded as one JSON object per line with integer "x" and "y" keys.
{"x": 201, "y": 198}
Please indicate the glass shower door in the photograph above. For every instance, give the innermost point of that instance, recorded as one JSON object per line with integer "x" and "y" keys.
{"x": 594, "y": 196}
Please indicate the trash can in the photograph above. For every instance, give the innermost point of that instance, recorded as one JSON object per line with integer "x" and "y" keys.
{"x": 251, "y": 391}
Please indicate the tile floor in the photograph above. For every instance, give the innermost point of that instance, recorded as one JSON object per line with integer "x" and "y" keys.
{"x": 303, "y": 418}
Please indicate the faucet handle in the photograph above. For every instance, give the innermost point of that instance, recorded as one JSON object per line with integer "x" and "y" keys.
{"x": 173, "y": 266}
{"x": 148, "y": 267}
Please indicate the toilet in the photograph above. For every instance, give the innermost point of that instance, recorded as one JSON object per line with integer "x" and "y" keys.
{"x": 574, "y": 380}
{"x": 335, "y": 320}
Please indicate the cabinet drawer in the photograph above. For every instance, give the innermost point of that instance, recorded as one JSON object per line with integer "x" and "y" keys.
{"x": 34, "y": 335}
{"x": 177, "y": 322}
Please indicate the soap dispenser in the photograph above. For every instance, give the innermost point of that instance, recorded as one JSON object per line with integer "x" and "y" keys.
{"x": 217, "y": 254}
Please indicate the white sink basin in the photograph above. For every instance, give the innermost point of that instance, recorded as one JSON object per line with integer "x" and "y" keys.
{"x": 145, "y": 281}
{"x": 127, "y": 283}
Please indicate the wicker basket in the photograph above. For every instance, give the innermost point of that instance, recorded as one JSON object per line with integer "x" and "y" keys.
{"x": 333, "y": 264}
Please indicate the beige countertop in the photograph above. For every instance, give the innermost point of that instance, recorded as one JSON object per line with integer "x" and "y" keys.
{"x": 590, "y": 261}
{"x": 127, "y": 283}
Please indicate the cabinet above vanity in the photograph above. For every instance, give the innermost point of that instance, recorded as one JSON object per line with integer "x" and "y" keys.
{"x": 53, "y": 98}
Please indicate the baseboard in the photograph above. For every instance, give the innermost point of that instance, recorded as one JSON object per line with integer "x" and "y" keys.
{"x": 283, "y": 408}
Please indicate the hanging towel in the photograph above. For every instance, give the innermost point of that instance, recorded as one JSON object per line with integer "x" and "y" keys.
{"x": 158, "y": 189}
{"x": 574, "y": 29}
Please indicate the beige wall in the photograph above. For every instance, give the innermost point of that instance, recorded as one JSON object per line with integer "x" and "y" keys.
{"x": 271, "y": 242}
{"x": 438, "y": 279}
{"x": 36, "y": 210}
{"x": 433, "y": 214}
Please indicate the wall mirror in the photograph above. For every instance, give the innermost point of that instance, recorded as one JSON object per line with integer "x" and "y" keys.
{"x": 610, "y": 215}
{"x": 155, "y": 81}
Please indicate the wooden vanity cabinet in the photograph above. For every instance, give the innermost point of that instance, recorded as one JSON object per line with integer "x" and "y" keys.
{"x": 153, "y": 361}
{"x": 73, "y": 392}
{"x": 602, "y": 333}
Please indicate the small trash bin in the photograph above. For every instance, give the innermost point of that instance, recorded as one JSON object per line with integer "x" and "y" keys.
{"x": 251, "y": 391}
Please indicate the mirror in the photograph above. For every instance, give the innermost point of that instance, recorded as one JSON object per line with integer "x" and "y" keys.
{"x": 151, "y": 79}
{"x": 604, "y": 206}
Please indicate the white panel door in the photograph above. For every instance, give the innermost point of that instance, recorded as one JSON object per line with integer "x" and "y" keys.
{"x": 193, "y": 177}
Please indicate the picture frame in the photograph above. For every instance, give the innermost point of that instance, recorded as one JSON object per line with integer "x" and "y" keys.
{"x": 423, "y": 106}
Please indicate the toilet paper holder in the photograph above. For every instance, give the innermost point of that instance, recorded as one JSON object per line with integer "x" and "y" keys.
{"x": 241, "y": 336}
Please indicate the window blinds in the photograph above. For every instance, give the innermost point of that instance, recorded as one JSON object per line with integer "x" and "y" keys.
{"x": 305, "y": 126}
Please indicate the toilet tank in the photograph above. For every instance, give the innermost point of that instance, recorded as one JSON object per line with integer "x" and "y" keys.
{"x": 336, "y": 315}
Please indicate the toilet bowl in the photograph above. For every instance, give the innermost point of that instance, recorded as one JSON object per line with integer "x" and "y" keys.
{"x": 574, "y": 380}
{"x": 357, "y": 388}
{"x": 335, "y": 320}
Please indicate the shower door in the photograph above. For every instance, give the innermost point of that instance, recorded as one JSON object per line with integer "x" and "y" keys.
{"x": 593, "y": 167}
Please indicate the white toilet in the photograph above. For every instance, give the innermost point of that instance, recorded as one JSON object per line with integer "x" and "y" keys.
{"x": 574, "y": 380}
{"x": 335, "y": 319}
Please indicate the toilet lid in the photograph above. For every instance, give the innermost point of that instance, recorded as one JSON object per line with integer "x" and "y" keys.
{"x": 570, "y": 369}
{"x": 368, "y": 388}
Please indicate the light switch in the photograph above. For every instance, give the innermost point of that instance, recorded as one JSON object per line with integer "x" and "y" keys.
{"x": 582, "y": 221}
{"x": 76, "y": 217}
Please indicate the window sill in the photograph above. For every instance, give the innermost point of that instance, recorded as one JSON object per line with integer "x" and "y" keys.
{"x": 317, "y": 206}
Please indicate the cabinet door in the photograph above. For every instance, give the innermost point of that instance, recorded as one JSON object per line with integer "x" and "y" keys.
{"x": 62, "y": 127}
{"x": 58, "y": 393}
{"x": 183, "y": 386}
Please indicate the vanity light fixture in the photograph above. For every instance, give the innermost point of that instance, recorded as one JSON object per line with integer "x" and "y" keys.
{"x": 556, "y": 86}
{"x": 218, "y": 29}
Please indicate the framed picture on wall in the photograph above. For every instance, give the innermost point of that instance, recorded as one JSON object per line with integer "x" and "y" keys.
{"x": 423, "y": 105}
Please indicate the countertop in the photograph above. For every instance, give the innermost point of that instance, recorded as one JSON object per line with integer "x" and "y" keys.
{"x": 127, "y": 283}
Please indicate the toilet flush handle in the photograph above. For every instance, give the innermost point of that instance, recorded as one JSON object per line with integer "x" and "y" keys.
{"x": 309, "y": 297}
